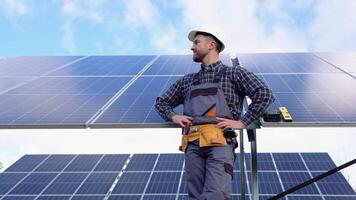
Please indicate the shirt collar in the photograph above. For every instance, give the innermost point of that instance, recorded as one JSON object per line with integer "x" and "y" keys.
{"x": 212, "y": 66}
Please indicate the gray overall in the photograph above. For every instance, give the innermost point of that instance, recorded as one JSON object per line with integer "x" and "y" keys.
{"x": 208, "y": 170}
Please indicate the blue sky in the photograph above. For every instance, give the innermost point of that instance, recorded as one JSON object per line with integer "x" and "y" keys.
{"x": 97, "y": 27}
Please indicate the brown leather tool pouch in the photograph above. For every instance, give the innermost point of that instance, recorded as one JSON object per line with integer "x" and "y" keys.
{"x": 211, "y": 136}
{"x": 184, "y": 143}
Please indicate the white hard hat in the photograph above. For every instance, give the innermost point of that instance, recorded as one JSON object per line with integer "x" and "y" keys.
{"x": 215, "y": 32}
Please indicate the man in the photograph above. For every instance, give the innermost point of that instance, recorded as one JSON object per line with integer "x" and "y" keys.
{"x": 212, "y": 100}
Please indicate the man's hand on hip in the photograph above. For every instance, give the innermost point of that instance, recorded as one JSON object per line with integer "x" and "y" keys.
{"x": 228, "y": 123}
{"x": 182, "y": 120}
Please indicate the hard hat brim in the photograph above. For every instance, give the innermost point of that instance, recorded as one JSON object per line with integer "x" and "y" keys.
{"x": 193, "y": 33}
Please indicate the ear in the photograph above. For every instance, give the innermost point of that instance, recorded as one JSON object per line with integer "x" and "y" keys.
{"x": 212, "y": 45}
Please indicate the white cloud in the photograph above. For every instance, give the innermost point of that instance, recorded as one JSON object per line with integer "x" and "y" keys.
{"x": 84, "y": 9}
{"x": 244, "y": 32}
{"x": 164, "y": 37}
{"x": 78, "y": 9}
{"x": 334, "y": 28}
{"x": 15, "y": 8}
{"x": 68, "y": 41}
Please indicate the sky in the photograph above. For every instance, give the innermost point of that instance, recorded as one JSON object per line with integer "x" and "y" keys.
{"x": 137, "y": 27}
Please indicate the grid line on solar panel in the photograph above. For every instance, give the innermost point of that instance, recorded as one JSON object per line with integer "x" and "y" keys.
{"x": 105, "y": 65}
{"x": 334, "y": 184}
{"x": 55, "y": 163}
{"x": 35, "y": 65}
{"x": 119, "y": 93}
{"x": 92, "y": 159}
{"x": 285, "y": 63}
{"x": 279, "y": 177}
{"x": 150, "y": 176}
{"x": 27, "y": 163}
{"x": 69, "y": 103}
{"x": 142, "y": 162}
{"x": 170, "y": 162}
{"x": 50, "y": 159}
{"x": 112, "y": 162}
{"x": 268, "y": 183}
{"x": 163, "y": 183}
{"x": 318, "y": 161}
{"x": 290, "y": 179}
{"x": 131, "y": 183}
{"x": 98, "y": 183}
{"x": 137, "y": 103}
{"x": 289, "y": 162}
{"x": 344, "y": 61}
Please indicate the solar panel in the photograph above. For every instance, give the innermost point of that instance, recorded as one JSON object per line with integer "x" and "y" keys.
{"x": 314, "y": 98}
{"x": 120, "y": 91}
{"x": 161, "y": 180}
{"x": 105, "y": 66}
{"x": 58, "y": 100}
{"x": 33, "y": 65}
{"x": 345, "y": 61}
{"x": 285, "y": 63}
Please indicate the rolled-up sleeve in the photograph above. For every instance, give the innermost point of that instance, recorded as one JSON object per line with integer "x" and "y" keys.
{"x": 259, "y": 93}
{"x": 170, "y": 99}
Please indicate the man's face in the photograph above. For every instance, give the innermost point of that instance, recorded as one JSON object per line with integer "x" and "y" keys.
{"x": 200, "y": 47}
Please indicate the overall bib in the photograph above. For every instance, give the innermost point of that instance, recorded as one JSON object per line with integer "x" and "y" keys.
{"x": 208, "y": 160}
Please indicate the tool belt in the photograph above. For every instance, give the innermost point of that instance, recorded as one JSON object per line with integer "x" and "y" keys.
{"x": 208, "y": 134}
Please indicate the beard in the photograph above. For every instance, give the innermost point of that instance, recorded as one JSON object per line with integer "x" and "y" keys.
{"x": 198, "y": 57}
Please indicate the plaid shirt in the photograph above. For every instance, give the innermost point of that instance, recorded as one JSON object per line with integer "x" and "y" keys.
{"x": 237, "y": 83}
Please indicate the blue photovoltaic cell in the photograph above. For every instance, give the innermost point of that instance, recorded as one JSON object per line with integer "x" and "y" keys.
{"x": 237, "y": 162}
{"x": 83, "y": 163}
{"x": 136, "y": 105}
{"x": 19, "y": 198}
{"x": 154, "y": 176}
{"x": 285, "y": 63}
{"x": 55, "y": 163}
{"x": 58, "y": 100}
{"x": 26, "y": 163}
{"x": 112, "y": 162}
{"x": 334, "y": 184}
{"x": 32, "y": 65}
{"x": 54, "y": 198}
{"x": 141, "y": 162}
{"x": 97, "y": 183}
{"x": 318, "y": 161}
{"x": 88, "y": 197}
{"x": 289, "y": 162}
{"x": 125, "y": 197}
{"x": 318, "y": 98}
{"x": 268, "y": 183}
{"x": 236, "y": 184}
{"x": 183, "y": 185}
{"x": 304, "y": 197}
{"x": 9, "y": 180}
{"x": 264, "y": 161}
{"x": 65, "y": 183}
{"x": 131, "y": 183}
{"x": 163, "y": 182}
{"x": 345, "y": 61}
{"x": 170, "y": 162}
{"x": 178, "y": 65}
{"x": 105, "y": 65}
{"x": 290, "y": 179}
{"x": 159, "y": 197}
{"x": 34, "y": 183}
{"x": 7, "y": 83}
